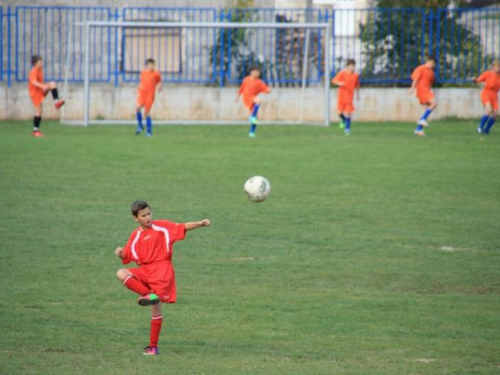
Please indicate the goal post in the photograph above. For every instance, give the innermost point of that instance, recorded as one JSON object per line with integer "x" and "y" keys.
{"x": 302, "y": 53}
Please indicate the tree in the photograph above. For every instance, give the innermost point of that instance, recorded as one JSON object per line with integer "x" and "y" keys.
{"x": 396, "y": 40}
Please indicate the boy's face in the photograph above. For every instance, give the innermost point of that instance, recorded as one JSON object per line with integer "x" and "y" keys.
{"x": 150, "y": 66}
{"x": 39, "y": 63}
{"x": 144, "y": 218}
{"x": 255, "y": 73}
{"x": 350, "y": 67}
{"x": 496, "y": 68}
{"x": 431, "y": 64}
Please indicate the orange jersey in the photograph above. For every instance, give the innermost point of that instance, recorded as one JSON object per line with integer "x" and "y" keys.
{"x": 346, "y": 91}
{"x": 149, "y": 80}
{"x": 154, "y": 244}
{"x": 36, "y": 93}
{"x": 250, "y": 88}
{"x": 425, "y": 78}
{"x": 491, "y": 81}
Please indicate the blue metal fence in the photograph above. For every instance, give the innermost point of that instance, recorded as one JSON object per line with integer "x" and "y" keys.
{"x": 386, "y": 43}
{"x": 1, "y": 44}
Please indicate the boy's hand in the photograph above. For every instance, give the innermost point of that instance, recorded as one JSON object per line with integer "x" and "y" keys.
{"x": 205, "y": 223}
{"x": 411, "y": 91}
{"x": 119, "y": 252}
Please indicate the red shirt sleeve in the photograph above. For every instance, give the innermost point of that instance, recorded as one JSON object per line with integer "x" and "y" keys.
{"x": 176, "y": 231}
{"x": 417, "y": 73}
{"x": 264, "y": 87}
{"x": 338, "y": 77}
{"x": 127, "y": 251}
{"x": 481, "y": 78}
{"x": 357, "y": 84}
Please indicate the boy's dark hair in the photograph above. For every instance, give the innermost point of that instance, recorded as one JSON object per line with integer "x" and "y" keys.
{"x": 351, "y": 62}
{"x": 254, "y": 67}
{"x": 430, "y": 58}
{"x": 150, "y": 61}
{"x": 35, "y": 59}
{"x": 138, "y": 206}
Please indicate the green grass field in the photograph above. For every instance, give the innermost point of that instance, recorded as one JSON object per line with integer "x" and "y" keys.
{"x": 374, "y": 254}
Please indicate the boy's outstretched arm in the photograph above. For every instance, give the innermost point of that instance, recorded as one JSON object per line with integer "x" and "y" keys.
{"x": 197, "y": 224}
{"x": 335, "y": 81}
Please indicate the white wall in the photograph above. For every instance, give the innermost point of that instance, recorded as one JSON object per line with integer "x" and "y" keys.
{"x": 206, "y": 103}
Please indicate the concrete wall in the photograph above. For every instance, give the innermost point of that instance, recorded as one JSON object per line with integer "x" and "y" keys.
{"x": 206, "y": 103}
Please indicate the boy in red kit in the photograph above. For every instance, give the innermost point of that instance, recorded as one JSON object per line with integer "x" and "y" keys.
{"x": 423, "y": 78}
{"x": 151, "y": 246}
{"x": 38, "y": 89}
{"x": 150, "y": 82}
{"x": 250, "y": 88}
{"x": 489, "y": 97}
{"x": 348, "y": 82}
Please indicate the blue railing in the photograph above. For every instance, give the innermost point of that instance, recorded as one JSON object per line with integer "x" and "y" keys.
{"x": 386, "y": 43}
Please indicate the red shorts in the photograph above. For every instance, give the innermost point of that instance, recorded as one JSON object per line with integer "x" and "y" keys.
{"x": 249, "y": 101}
{"x": 490, "y": 96}
{"x": 345, "y": 107}
{"x": 145, "y": 101}
{"x": 425, "y": 97}
{"x": 159, "y": 277}
{"x": 38, "y": 96}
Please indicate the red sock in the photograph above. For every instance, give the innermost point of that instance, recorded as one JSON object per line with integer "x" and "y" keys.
{"x": 136, "y": 286}
{"x": 154, "y": 334}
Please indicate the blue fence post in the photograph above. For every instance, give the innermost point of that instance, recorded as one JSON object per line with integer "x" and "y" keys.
{"x": 431, "y": 34}
{"x": 116, "y": 73}
{"x": 9, "y": 45}
{"x": 438, "y": 42}
{"x": 221, "y": 52}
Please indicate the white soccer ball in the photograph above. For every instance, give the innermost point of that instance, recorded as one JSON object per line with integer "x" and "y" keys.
{"x": 257, "y": 188}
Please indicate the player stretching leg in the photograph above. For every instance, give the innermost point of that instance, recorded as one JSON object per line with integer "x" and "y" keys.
{"x": 150, "y": 81}
{"x": 423, "y": 78}
{"x": 489, "y": 97}
{"x": 348, "y": 81}
{"x": 38, "y": 90}
{"x": 250, "y": 88}
{"x": 151, "y": 247}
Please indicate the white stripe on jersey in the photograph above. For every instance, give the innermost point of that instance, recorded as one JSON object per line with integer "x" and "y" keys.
{"x": 165, "y": 232}
{"x": 134, "y": 253}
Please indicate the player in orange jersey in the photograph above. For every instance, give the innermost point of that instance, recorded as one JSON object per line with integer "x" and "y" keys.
{"x": 38, "y": 89}
{"x": 489, "y": 97}
{"x": 151, "y": 247}
{"x": 250, "y": 89}
{"x": 150, "y": 81}
{"x": 423, "y": 78}
{"x": 348, "y": 82}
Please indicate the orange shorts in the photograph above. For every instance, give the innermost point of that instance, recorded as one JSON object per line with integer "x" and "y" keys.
{"x": 425, "y": 97}
{"x": 345, "y": 107}
{"x": 490, "y": 96}
{"x": 37, "y": 97}
{"x": 159, "y": 277}
{"x": 145, "y": 101}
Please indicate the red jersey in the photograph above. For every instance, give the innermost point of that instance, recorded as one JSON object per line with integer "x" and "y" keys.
{"x": 491, "y": 81}
{"x": 250, "y": 88}
{"x": 36, "y": 74}
{"x": 154, "y": 244}
{"x": 149, "y": 80}
{"x": 350, "y": 82}
{"x": 424, "y": 77}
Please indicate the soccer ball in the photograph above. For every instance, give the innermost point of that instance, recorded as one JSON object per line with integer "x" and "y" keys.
{"x": 257, "y": 188}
